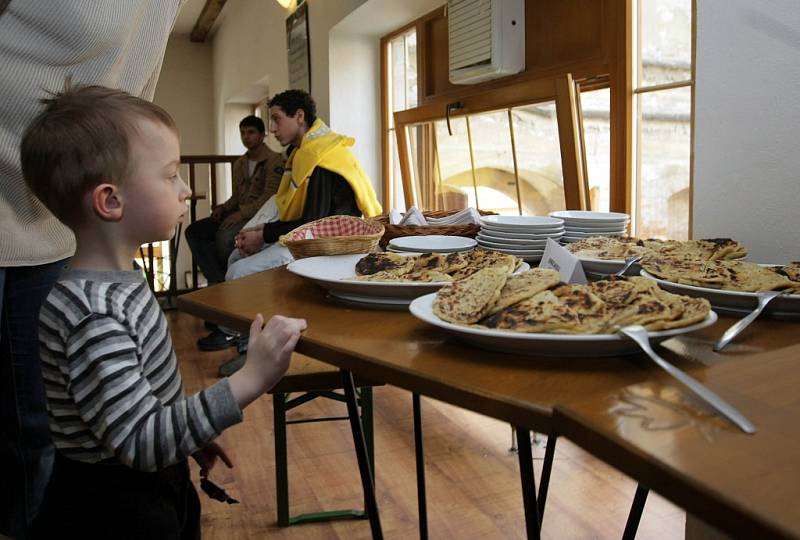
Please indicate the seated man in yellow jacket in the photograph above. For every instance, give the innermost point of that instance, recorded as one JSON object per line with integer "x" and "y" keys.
{"x": 321, "y": 178}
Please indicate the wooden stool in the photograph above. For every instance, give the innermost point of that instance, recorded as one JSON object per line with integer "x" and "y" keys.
{"x": 314, "y": 379}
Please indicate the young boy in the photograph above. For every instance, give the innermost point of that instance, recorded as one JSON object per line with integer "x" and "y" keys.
{"x": 106, "y": 164}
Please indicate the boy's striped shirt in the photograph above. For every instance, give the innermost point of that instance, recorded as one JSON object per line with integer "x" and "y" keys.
{"x": 111, "y": 377}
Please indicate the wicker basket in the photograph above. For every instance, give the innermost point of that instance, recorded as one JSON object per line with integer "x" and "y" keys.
{"x": 334, "y": 235}
{"x": 394, "y": 231}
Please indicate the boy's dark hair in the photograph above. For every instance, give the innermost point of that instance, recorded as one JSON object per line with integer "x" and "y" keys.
{"x": 253, "y": 121}
{"x": 81, "y": 139}
{"x": 291, "y": 100}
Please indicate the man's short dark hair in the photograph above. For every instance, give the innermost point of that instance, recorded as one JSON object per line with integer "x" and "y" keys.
{"x": 253, "y": 121}
{"x": 291, "y": 100}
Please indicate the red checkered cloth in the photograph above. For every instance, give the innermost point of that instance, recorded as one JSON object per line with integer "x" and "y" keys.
{"x": 334, "y": 226}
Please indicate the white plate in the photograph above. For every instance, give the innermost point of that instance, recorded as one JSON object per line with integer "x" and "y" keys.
{"x": 594, "y": 230}
{"x": 522, "y": 222}
{"x": 568, "y": 239}
{"x": 518, "y": 252}
{"x": 336, "y": 274}
{"x": 498, "y": 230}
{"x": 734, "y": 302}
{"x": 432, "y": 242}
{"x": 509, "y": 243}
{"x": 577, "y": 234}
{"x": 589, "y": 345}
{"x": 589, "y": 217}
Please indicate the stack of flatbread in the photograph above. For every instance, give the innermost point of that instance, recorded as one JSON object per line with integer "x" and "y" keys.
{"x": 724, "y": 274}
{"x": 536, "y": 301}
{"x": 432, "y": 267}
{"x": 619, "y": 247}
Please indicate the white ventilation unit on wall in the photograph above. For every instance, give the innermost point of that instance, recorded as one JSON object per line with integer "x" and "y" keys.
{"x": 486, "y": 39}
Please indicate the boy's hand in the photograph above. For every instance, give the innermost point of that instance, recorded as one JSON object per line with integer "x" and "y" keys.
{"x": 250, "y": 240}
{"x": 268, "y": 355}
{"x": 207, "y": 456}
{"x": 271, "y": 347}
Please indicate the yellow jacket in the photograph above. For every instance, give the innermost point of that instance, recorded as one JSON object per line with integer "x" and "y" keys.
{"x": 321, "y": 147}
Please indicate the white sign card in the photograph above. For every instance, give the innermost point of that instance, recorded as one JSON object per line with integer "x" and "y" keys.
{"x": 561, "y": 260}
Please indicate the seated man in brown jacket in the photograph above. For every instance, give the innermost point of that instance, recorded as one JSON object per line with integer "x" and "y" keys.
{"x": 256, "y": 177}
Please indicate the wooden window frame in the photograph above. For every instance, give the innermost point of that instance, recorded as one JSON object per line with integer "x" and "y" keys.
{"x": 562, "y": 90}
{"x": 617, "y": 78}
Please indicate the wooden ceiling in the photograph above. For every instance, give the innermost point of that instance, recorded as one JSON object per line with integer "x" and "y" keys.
{"x": 205, "y": 21}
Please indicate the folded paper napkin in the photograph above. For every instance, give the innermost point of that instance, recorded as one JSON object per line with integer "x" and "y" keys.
{"x": 415, "y": 217}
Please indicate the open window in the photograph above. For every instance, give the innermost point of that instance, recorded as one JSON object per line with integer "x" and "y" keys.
{"x": 515, "y": 152}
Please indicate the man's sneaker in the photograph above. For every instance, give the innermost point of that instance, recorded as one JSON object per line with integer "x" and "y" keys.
{"x": 217, "y": 340}
{"x": 232, "y": 366}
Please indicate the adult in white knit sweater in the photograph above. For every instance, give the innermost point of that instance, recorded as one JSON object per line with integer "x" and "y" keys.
{"x": 42, "y": 43}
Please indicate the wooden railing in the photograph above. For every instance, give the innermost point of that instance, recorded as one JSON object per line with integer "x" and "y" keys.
{"x": 150, "y": 252}
{"x": 193, "y": 161}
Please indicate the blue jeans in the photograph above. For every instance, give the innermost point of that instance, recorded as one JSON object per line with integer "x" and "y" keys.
{"x": 26, "y": 450}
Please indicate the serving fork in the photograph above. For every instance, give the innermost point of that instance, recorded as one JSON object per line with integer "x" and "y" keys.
{"x": 638, "y": 333}
{"x": 629, "y": 261}
{"x": 764, "y": 298}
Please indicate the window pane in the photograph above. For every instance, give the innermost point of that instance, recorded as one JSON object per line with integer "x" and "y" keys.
{"x": 398, "y": 75}
{"x": 666, "y": 41}
{"x": 494, "y": 163}
{"x": 664, "y": 146}
{"x": 541, "y": 181}
{"x": 411, "y": 70}
{"x": 456, "y": 189}
{"x": 597, "y": 135}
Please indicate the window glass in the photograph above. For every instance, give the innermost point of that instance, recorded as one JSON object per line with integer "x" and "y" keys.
{"x": 665, "y": 38}
{"x": 541, "y": 181}
{"x": 664, "y": 150}
{"x": 456, "y": 188}
{"x": 597, "y": 137}
{"x": 494, "y": 162}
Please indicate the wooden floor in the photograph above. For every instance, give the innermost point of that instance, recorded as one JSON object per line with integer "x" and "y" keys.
{"x": 472, "y": 478}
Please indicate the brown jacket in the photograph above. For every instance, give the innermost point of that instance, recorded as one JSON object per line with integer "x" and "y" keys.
{"x": 250, "y": 193}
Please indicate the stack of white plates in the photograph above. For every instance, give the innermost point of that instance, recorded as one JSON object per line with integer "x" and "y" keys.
{"x": 580, "y": 224}
{"x": 523, "y": 236}
{"x": 430, "y": 243}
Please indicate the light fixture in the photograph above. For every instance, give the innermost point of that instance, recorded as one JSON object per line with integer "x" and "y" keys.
{"x": 285, "y": 3}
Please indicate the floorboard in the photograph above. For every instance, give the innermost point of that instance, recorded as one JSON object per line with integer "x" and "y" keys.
{"x": 472, "y": 477}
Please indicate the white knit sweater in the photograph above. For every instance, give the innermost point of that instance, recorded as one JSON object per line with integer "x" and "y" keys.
{"x": 119, "y": 44}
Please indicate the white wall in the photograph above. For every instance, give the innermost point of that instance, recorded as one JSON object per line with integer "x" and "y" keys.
{"x": 747, "y": 155}
{"x": 250, "y": 59}
{"x": 355, "y": 74}
{"x": 250, "y": 53}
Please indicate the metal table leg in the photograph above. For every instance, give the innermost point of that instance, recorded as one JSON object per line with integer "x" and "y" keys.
{"x": 422, "y": 504}
{"x": 362, "y": 455}
{"x": 547, "y": 467}
{"x": 528, "y": 481}
{"x": 636, "y": 512}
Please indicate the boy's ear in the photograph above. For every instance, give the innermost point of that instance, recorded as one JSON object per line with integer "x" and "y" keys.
{"x": 300, "y": 115}
{"x": 107, "y": 202}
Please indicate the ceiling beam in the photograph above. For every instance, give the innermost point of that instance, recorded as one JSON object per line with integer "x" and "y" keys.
{"x": 206, "y": 20}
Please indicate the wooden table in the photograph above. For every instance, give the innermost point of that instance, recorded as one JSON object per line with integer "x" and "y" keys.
{"x": 396, "y": 348}
{"x": 747, "y": 486}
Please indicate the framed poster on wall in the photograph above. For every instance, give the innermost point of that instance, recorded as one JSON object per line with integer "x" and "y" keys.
{"x": 297, "y": 45}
